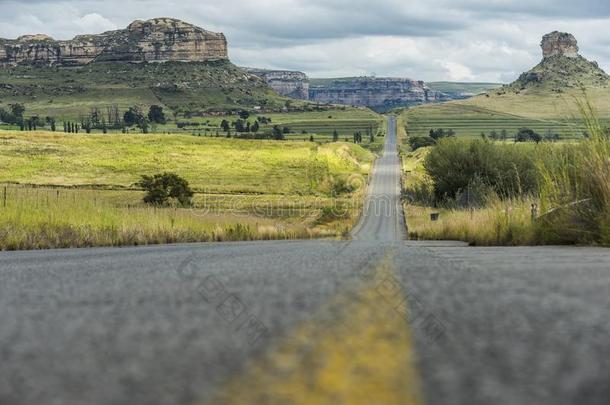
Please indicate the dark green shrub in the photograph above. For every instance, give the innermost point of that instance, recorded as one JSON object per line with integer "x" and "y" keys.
{"x": 508, "y": 170}
{"x": 162, "y": 188}
{"x": 421, "y": 142}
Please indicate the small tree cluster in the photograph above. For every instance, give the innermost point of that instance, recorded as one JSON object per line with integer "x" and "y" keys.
{"x": 161, "y": 189}
{"x": 440, "y": 133}
{"x": 527, "y": 134}
{"x": 14, "y": 116}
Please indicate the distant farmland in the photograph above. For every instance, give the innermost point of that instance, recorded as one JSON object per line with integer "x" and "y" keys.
{"x": 472, "y": 121}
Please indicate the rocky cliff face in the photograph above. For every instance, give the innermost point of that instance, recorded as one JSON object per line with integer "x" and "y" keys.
{"x": 284, "y": 82}
{"x": 559, "y": 43}
{"x": 561, "y": 67}
{"x": 157, "y": 40}
{"x": 378, "y": 93}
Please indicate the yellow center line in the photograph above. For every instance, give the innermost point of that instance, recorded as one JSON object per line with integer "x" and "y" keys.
{"x": 358, "y": 351}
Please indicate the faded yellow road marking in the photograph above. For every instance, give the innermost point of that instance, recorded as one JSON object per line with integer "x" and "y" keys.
{"x": 358, "y": 351}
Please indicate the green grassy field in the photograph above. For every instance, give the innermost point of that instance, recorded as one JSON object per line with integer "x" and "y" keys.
{"x": 503, "y": 109}
{"x": 458, "y": 88}
{"x": 319, "y": 124}
{"x": 471, "y": 120}
{"x": 79, "y": 190}
{"x": 214, "y": 165}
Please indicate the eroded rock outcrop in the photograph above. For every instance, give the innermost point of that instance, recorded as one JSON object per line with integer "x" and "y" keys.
{"x": 156, "y": 40}
{"x": 285, "y": 82}
{"x": 562, "y": 67}
{"x": 559, "y": 43}
{"x": 376, "y": 92}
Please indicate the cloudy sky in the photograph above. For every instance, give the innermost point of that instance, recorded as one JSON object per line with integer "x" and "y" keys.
{"x": 459, "y": 40}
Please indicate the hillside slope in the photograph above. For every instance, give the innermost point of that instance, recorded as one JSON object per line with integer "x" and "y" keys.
{"x": 544, "y": 99}
{"x": 162, "y": 61}
{"x": 185, "y": 88}
{"x": 550, "y": 89}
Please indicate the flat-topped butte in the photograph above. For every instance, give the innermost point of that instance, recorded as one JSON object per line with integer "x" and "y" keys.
{"x": 156, "y": 40}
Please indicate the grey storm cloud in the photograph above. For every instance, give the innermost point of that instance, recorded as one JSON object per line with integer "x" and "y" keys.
{"x": 487, "y": 40}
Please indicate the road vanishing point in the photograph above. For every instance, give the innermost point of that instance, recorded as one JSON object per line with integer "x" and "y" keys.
{"x": 375, "y": 319}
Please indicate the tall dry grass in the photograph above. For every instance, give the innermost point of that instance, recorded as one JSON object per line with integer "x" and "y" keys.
{"x": 575, "y": 188}
{"x": 33, "y": 218}
{"x": 500, "y": 223}
{"x": 570, "y": 185}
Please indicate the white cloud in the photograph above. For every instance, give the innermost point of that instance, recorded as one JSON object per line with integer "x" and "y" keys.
{"x": 457, "y": 72}
{"x": 482, "y": 40}
{"x": 94, "y": 22}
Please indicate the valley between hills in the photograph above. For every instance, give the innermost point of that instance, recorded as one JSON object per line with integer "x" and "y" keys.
{"x": 274, "y": 154}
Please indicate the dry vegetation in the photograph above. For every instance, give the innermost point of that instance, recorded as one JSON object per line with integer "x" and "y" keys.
{"x": 79, "y": 190}
{"x": 568, "y": 182}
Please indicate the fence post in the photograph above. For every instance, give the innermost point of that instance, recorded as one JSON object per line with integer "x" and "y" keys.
{"x": 4, "y": 197}
{"x": 534, "y": 212}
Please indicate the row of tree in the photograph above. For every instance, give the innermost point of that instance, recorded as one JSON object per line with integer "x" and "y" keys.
{"x": 523, "y": 135}
{"x": 111, "y": 118}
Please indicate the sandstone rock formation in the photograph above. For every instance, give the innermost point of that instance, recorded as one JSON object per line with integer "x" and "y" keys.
{"x": 378, "y": 93}
{"x": 562, "y": 67}
{"x": 559, "y": 43}
{"x": 156, "y": 40}
{"x": 285, "y": 82}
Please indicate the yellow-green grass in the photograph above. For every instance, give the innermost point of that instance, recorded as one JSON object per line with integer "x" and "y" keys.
{"x": 572, "y": 199}
{"x": 413, "y": 166}
{"x": 501, "y": 224}
{"x": 543, "y": 111}
{"x": 542, "y": 103}
{"x": 79, "y": 190}
{"x": 39, "y": 218}
{"x": 42, "y": 217}
{"x": 472, "y": 121}
{"x": 212, "y": 165}
{"x": 319, "y": 124}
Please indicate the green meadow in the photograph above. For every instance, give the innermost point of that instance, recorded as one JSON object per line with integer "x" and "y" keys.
{"x": 472, "y": 121}
{"x": 74, "y": 190}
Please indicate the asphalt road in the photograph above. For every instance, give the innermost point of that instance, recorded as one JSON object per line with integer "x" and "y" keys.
{"x": 374, "y": 320}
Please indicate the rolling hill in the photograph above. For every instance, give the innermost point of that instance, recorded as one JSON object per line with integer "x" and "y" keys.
{"x": 543, "y": 98}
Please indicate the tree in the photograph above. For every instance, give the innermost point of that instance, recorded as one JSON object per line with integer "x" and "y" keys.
{"x": 527, "y": 134}
{"x": 133, "y": 116}
{"x": 144, "y": 125}
{"x": 255, "y": 127}
{"x": 161, "y": 188}
{"x": 311, "y": 138}
{"x": 440, "y": 133}
{"x": 335, "y": 135}
{"x": 17, "y": 110}
{"x": 239, "y": 126}
{"x": 244, "y": 115}
{"x": 421, "y": 142}
{"x": 156, "y": 114}
{"x": 278, "y": 135}
{"x": 225, "y": 126}
{"x": 286, "y": 130}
